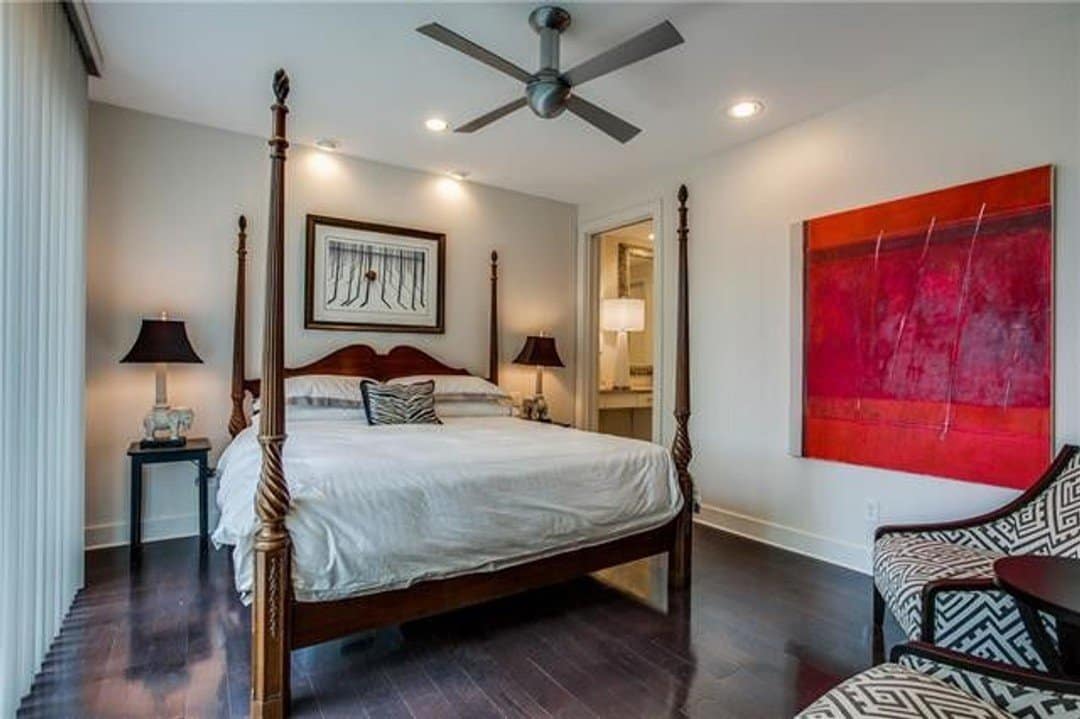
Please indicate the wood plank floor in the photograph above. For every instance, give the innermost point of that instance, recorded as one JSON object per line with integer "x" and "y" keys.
{"x": 762, "y": 634}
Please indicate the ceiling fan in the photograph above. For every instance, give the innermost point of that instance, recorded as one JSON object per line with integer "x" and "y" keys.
{"x": 549, "y": 91}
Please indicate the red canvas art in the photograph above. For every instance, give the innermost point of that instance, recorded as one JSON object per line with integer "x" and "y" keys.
{"x": 928, "y": 332}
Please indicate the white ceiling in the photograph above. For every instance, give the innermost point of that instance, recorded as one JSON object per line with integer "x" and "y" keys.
{"x": 361, "y": 73}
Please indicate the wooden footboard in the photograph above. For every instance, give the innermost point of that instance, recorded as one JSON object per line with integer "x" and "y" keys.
{"x": 315, "y": 622}
{"x": 280, "y": 624}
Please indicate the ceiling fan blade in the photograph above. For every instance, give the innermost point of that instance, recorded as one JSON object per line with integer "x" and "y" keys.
{"x": 450, "y": 38}
{"x": 601, "y": 119}
{"x": 488, "y": 118}
{"x": 657, "y": 39}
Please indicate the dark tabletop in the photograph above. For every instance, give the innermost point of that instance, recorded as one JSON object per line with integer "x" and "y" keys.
{"x": 194, "y": 444}
{"x": 1050, "y": 584}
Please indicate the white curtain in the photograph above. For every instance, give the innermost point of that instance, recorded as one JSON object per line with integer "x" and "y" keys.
{"x": 43, "y": 117}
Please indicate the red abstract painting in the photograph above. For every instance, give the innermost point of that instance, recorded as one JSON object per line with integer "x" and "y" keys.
{"x": 928, "y": 332}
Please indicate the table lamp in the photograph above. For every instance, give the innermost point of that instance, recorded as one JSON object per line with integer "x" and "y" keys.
{"x": 161, "y": 341}
{"x": 540, "y": 352}
{"x": 622, "y": 315}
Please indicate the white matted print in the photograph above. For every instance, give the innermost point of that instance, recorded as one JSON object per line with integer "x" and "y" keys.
{"x": 366, "y": 276}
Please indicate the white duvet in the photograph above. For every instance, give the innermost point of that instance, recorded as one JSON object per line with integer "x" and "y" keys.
{"x": 376, "y": 508}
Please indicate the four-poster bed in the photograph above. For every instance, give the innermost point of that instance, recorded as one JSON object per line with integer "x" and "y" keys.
{"x": 280, "y": 622}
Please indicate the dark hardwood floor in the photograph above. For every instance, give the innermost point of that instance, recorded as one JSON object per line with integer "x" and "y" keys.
{"x": 763, "y": 633}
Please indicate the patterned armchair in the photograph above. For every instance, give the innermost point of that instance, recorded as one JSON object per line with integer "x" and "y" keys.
{"x": 927, "y": 681}
{"x": 938, "y": 579}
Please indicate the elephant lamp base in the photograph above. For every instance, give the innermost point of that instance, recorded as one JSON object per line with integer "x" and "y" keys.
{"x": 164, "y": 426}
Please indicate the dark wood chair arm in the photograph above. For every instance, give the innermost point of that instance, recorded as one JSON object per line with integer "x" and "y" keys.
{"x": 931, "y": 589}
{"x": 997, "y": 670}
{"x": 1063, "y": 458}
{"x": 881, "y": 531}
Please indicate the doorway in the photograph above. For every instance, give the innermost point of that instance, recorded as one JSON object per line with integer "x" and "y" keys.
{"x": 626, "y": 312}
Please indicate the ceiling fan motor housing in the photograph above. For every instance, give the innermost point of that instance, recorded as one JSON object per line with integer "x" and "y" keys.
{"x": 547, "y": 95}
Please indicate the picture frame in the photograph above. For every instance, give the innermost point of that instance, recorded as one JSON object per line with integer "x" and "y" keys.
{"x": 626, "y": 255}
{"x": 367, "y": 276}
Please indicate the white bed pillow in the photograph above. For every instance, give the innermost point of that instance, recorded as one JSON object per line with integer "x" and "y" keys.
{"x": 473, "y": 408}
{"x": 294, "y": 413}
{"x": 462, "y": 387}
{"x": 326, "y": 391}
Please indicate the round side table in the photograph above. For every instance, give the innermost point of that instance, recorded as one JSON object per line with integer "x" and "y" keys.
{"x": 1050, "y": 585}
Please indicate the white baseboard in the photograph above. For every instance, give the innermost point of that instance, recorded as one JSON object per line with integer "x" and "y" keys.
{"x": 845, "y": 554}
{"x": 834, "y": 551}
{"x": 154, "y": 529}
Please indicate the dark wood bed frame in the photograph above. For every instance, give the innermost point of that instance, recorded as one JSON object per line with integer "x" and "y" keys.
{"x": 280, "y": 624}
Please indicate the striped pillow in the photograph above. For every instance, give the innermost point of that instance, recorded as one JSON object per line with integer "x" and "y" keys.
{"x": 399, "y": 403}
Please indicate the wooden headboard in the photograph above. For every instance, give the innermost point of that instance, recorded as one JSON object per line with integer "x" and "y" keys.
{"x": 359, "y": 360}
{"x": 364, "y": 361}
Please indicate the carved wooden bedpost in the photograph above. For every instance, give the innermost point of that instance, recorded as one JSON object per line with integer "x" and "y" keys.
{"x": 493, "y": 320}
{"x": 270, "y": 614}
{"x": 237, "y": 420}
{"x": 679, "y": 571}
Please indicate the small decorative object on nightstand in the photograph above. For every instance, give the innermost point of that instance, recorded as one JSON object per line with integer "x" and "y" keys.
{"x": 539, "y": 351}
{"x": 197, "y": 450}
{"x": 160, "y": 341}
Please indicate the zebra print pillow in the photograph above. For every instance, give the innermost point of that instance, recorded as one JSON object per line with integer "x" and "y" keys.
{"x": 399, "y": 403}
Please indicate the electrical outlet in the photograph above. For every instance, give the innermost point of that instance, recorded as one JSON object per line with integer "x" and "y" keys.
{"x": 873, "y": 510}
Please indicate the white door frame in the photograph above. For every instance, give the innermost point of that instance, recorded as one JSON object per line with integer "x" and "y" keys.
{"x": 588, "y": 301}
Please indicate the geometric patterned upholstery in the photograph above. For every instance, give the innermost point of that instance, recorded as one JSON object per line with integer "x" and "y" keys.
{"x": 1049, "y": 524}
{"x": 987, "y": 624}
{"x": 1014, "y": 699}
{"x": 984, "y": 623}
{"x": 891, "y": 691}
{"x": 920, "y": 688}
{"x": 905, "y": 563}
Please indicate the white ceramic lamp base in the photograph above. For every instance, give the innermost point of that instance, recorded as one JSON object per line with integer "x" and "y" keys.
{"x": 622, "y": 361}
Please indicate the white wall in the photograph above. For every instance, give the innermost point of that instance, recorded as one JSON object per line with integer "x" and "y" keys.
{"x": 43, "y": 138}
{"x": 1014, "y": 107}
{"x": 164, "y": 196}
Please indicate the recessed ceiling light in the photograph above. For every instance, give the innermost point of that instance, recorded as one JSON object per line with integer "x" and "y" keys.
{"x": 459, "y": 175}
{"x": 745, "y": 109}
{"x": 436, "y": 124}
{"x": 327, "y": 143}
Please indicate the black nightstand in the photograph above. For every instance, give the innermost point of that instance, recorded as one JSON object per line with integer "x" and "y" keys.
{"x": 196, "y": 450}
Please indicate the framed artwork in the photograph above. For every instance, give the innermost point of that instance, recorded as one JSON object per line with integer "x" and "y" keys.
{"x": 367, "y": 276}
{"x": 928, "y": 332}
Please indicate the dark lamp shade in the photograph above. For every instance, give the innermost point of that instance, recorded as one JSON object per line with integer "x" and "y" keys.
{"x": 162, "y": 341}
{"x": 539, "y": 351}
